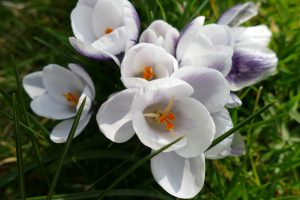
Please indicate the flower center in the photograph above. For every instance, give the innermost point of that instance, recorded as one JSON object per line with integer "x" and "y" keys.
{"x": 166, "y": 117}
{"x": 72, "y": 98}
{"x": 148, "y": 73}
{"x": 108, "y": 30}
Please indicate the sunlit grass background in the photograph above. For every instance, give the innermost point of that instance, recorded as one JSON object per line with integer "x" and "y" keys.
{"x": 35, "y": 33}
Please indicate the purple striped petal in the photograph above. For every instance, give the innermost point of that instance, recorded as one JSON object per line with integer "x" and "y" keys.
{"x": 238, "y": 14}
{"x": 251, "y": 64}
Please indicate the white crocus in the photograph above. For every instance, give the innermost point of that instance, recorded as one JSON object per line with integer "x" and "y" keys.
{"x": 144, "y": 63}
{"x": 161, "y": 34}
{"x": 104, "y": 29}
{"x": 57, "y": 93}
{"x": 212, "y": 90}
{"x": 206, "y": 46}
{"x": 252, "y": 61}
{"x": 160, "y": 113}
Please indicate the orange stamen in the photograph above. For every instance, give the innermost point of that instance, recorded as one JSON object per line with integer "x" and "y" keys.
{"x": 72, "y": 98}
{"x": 108, "y": 31}
{"x": 148, "y": 73}
{"x": 168, "y": 120}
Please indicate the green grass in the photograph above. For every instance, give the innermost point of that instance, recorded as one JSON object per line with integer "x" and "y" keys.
{"x": 36, "y": 33}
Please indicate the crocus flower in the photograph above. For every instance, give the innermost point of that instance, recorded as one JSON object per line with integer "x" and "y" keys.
{"x": 206, "y": 46}
{"x": 161, "y": 112}
{"x": 252, "y": 61}
{"x": 57, "y": 93}
{"x": 161, "y": 34}
{"x": 104, "y": 28}
{"x": 146, "y": 62}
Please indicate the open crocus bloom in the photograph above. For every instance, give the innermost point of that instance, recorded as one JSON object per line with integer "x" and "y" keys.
{"x": 57, "y": 93}
{"x": 160, "y": 113}
{"x": 212, "y": 90}
{"x": 252, "y": 61}
{"x": 207, "y": 46}
{"x": 104, "y": 28}
{"x": 145, "y": 62}
{"x": 161, "y": 34}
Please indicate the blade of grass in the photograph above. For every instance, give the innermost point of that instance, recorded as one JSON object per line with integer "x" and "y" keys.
{"x": 33, "y": 141}
{"x": 19, "y": 149}
{"x": 135, "y": 166}
{"x": 163, "y": 13}
{"x": 239, "y": 126}
{"x": 65, "y": 150}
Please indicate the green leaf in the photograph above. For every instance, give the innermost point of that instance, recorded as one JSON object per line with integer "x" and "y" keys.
{"x": 65, "y": 150}
{"x": 19, "y": 149}
{"x": 135, "y": 166}
{"x": 239, "y": 126}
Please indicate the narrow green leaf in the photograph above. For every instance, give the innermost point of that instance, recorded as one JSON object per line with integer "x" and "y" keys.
{"x": 65, "y": 150}
{"x": 33, "y": 141}
{"x": 162, "y": 10}
{"x": 19, "y": 149}
{"x": 135, "y": 166}
{"x": 239, "y": 126}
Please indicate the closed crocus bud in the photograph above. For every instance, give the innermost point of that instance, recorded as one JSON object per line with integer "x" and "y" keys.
{"x": 144, "y": 63}
{"x": 57, "y": 93}
{"x": 206, "y": 46}
{"x": 104, "y": 29}
{"x": 252, "y": 61}
{"x": 161, "y": 34}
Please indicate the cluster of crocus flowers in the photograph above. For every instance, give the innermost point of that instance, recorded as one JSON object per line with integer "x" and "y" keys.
{"x": 178, "y": 85}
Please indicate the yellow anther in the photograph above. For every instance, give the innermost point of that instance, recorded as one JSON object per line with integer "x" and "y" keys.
{"x": 108, "y": 31}
{"x": 72, "y": 98}
{"x": 148, "y": 73}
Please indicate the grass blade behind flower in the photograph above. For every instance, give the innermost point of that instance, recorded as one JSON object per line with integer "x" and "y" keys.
{"x": 239, "y": 126}
{"x": 135, "y": 166}
{"x": 19, "y": 149}
{"x": 65, "y": 150}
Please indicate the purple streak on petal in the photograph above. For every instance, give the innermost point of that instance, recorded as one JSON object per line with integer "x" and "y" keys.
{"x": 251, "y": 65}
{"x": 238, "y": 14}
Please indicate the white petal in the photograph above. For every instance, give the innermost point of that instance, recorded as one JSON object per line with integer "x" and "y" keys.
{"x": 131, "y": 23}
{"x": 162, "y": 34}
{"x": 114, "y": 116}
{"x": 210, "y": 87}
{"x": 61, "y": 131}
{"x": 81, "y": 17}
{"x": 233, "y": 101}
{"x": 255, "y": 35}
{"x": 87, "y": 93}
{"x": 251, "y": 64}
{"x": 218, "y": 34}
{"x": 84, "y": 77}
{"x": 194, "y": 25}
{"x": 106, "y": 14}
{"x": 46, "y": 106}
{"x": 33, "y": 84}
{"x": 114, "y": 43}
{"x": 192, "y": 44}
{"x": 219, "y": 59}
{"x": 194, "y": 121}
{"x": 223, "y": 123}
{"x": 89, "y": 51}
{"x": 238, "y": 14}
{"x": 180, "y": 177}
{"x": 58, "y": 81}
